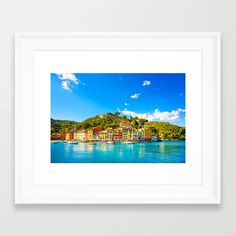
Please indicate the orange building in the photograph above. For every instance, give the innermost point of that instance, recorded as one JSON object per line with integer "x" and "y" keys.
{"x": 58, "y": 136}
{"x": 70, "y": 136}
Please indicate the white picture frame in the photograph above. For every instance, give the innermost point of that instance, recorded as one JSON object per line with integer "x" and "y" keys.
{"x": 196, "y": 183}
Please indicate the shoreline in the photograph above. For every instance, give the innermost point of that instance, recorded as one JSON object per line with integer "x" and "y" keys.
{"x": 114, "y": 142}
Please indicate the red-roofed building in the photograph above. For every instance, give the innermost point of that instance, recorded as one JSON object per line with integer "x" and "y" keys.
{"x": 97, "y": 133}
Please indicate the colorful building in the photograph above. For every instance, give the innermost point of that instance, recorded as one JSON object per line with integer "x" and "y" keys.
{"x": 109, "y": 134}
{"x": 79, "y": 136}
{"x": 125, "y": 125}
{"x": 103, "y": 134}
{"x": 58, "y": 136}
{"x": 137, "y": 135}
{"x": 125, "y": 132}
{"x": 97, "y": 133}
{"x": 70, "y": 136}
{"x": 89, "y": 135}
{"x": 117, "y": 135}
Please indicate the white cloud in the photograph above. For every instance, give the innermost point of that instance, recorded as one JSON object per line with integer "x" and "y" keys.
{"x": 69, "y": 76}
{"x": 157, "y": 115}
{"x": 66, "y": 85}
{"x": 135, "y": 96}
{"x": 126, "y": 104}
{"x": 68, "y": 79}
{"x": 146, "y": 82}
{"x": 129, "y": 113}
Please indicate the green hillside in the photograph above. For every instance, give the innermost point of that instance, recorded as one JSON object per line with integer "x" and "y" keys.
{"x": 163, "y": 130}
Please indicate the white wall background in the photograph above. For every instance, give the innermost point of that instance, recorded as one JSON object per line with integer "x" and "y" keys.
{"x": 119, "y": 15}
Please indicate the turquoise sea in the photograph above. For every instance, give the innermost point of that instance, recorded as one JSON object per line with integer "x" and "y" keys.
{"x": 143, "y": 152}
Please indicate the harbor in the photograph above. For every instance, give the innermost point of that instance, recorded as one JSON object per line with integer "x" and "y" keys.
{"x": 102, "y": 152}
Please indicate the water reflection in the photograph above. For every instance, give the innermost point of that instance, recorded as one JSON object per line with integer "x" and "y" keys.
{"x": 153, "y": 152}
{"x": 162, "y": 148}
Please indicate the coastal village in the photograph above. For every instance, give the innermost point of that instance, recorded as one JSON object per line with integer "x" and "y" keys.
{"x": 114, "y": 128}
{"x": 124, "y": 133}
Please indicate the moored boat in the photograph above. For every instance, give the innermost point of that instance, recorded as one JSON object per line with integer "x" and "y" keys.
{"x": 128, "y": 142}
{"x": 72, "y": 142}
{"x": 92, "y": 143}
{"x": 54, "y": 141}
{"x": 110, "y": 142}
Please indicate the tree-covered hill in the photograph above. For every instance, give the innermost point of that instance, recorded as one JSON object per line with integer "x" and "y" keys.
{"x": 163, "y": 130}
{"x": 63, "y": 126}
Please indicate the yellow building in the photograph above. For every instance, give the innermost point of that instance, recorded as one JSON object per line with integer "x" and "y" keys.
{"x": 79, "y": 136}
{"x": 103, "y": 135}
{"x": 70, "y": 136}
{"x": 109, "y": 134}
{"x": 89, "y": 135}
{"x": 117, "y": 134}
{"x": 125, "y": 124}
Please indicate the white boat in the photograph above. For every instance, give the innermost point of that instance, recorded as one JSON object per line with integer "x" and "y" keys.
{"x": 128, "y": 142}
{"x": 54, "y": 141}
{"x": 72, "y": 142}
{"x": 110, "y": 142}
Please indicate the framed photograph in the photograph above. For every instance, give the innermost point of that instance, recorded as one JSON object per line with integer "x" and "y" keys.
{"x": 117, "y": 118}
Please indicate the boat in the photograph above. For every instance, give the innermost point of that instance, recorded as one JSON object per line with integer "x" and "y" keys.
{"x": 128, "y": 142}
{"x": 110, "y": 142}
{"x": 72, "y": 142}
{"x": 54, "y": 141}
{"x": 92, "y": 143}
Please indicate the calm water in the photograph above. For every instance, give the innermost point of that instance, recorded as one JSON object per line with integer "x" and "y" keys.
{"x": 153, "y": 152}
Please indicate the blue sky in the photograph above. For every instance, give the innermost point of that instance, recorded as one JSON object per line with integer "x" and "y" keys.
{"x": 156, "y": 97}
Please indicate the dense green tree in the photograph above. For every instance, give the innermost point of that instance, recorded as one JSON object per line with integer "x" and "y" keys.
{"x": 165, "y": 130}
{"x": 117, "y": 114}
